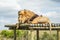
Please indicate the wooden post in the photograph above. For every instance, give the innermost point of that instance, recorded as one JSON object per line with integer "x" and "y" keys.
{"x": 27, "y": 35}
{"x": 14, "y": 33}
{"x": 57, "y": 34}
{"x": 37, "y": 34}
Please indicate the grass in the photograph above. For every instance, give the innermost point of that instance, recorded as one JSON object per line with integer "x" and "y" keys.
{"x": 41, "y": 32}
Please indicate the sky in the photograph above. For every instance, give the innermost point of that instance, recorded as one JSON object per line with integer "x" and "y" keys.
{"x": 9, "y": 10}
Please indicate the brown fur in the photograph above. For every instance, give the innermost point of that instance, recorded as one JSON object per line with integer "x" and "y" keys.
{"x": 27, "y": 15}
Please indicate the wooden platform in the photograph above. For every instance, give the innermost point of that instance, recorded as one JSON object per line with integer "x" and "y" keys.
{"x": 35, "y": 26}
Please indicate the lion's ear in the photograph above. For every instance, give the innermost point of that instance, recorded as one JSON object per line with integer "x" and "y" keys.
{"x": 25, "y": 11}
{"x": 18, "y": 11}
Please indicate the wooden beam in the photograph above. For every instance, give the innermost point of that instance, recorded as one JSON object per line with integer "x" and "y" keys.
{"x": 57, "y": 34}
{"x": 37, "y": 33}
{"x": 14, "y": 33}
{"x": 11, "y": 25}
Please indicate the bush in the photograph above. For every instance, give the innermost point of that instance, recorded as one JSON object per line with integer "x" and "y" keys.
{"x": 8, "y": 34}
{"x": 46, "y": 36}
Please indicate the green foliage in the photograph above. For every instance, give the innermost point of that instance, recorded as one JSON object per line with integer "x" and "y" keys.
{"x": 46, "y": 36}
{"x": 4, "y": 33}
{"x": 55, "y": 36}
{"x": 8, "y": 34}
{"x": 20, "y": 33}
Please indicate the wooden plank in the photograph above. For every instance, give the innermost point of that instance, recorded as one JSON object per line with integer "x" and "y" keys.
{"x": 39, "y": 28}
{"x": 11, "y": 25}
{"x": 33, "y": 25}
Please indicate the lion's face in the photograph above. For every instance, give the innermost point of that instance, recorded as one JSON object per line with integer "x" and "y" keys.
{"x": 22, "y": 16}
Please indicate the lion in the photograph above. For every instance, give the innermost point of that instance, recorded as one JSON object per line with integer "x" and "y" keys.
{"x": 27, "y": 16}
